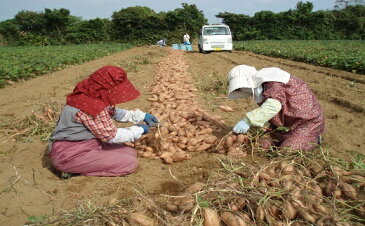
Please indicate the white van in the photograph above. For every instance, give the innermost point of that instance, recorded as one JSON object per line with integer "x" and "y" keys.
{"x": 215, "y": 38}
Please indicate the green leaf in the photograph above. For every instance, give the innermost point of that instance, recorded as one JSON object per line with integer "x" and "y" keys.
{"x": 283, "y": 128}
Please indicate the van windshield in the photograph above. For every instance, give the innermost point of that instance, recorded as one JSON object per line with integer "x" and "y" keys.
{"x": 216, "y": 31}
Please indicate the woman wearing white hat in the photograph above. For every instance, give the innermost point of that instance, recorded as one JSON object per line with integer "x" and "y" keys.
{"x": 285, "y": 101}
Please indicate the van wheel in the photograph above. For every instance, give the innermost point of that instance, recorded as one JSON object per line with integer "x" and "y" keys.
{"x": 200, "y": 49}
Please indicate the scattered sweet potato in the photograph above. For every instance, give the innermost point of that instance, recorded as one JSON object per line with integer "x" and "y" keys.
{"x": 226, "y": 108}
{"x": 210, "y": 217}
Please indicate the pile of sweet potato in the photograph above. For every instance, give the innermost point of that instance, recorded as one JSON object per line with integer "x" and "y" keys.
{"x": 184, "y": 126}
{"x": 279, "y": 193}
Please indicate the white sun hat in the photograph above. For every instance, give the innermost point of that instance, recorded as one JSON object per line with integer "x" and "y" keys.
{"x": 271, "y": 74}
{"x": 247, "y": 77}
{"x": 240, "y": 77}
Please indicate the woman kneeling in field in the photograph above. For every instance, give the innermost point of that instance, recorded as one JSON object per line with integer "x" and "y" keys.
{"x": 285, "y": 101}
{"x": 85, "y": 140}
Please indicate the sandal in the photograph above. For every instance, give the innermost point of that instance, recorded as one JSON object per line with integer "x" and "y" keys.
{"x": 67, "y": 175}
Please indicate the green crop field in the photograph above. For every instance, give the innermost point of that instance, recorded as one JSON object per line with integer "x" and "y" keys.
{"x": 21, "y": 62}
{"x": 344, "y": 55}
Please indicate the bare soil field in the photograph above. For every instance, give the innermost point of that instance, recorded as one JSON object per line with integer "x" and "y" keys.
{"x": 29, "y": 186}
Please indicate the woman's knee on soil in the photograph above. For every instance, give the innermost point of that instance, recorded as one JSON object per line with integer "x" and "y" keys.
{"x": 128, "y": 165}
{"x": 130, "y": 151}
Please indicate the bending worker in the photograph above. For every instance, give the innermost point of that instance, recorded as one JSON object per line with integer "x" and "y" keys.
{"x": 85, "y": 140}
{"x": 285, "y": 101}
{"x": 186, "y": 39}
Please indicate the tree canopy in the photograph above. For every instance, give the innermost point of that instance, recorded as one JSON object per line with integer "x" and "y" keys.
{"x": 142, "y": 25}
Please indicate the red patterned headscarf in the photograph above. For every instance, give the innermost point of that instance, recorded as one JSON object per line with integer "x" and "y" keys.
{"x": 105, "y": 87}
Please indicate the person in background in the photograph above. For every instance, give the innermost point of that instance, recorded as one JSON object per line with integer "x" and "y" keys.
{"x": 85, "y": 140}
{"x": 186, "y": 39}
{"x": 161, "y": 43}
{"x": 284, "y": 100}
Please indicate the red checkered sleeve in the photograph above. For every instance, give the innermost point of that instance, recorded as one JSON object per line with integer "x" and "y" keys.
{"x": 101, "y": 126}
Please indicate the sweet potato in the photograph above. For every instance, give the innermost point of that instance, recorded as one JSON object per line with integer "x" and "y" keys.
{"x": 142, "y": 219}
{"x": 349, "y": 191}
{"x": 197, "y": 186}
{"x": 210, "y": 139}
{"x": 306, "y": 216}
{"x": 203, "y": 147}
{"x": 164, "y": 131}
{"x": 168, "y": 160}
{"x": 319, "y": 207}
{"x": 226, "y": 108}
{"x": 164, "y": 145}
{"x": 241, "y": 138}
{"x": 186, "y": 204}
{"x": 288, "y": 169}
{"x": 210, "y": 217}
{"x": 149, "y": 149}
{"x": 205, "y": 131}
{"x": 171, "y": 207}
{"x": 166, "y": 154}
{"x": 192, "y": 142}
{"x": 183, "y": 140}
{"x": 290, "y": 212}
{"x": 231, "y": 219}
{"x": 147, "y": 154}
{"x": 181, "y": 145}
{"x": 260, "y": 213}
{"x": 202, "y": 123}
{"x": 180, "y": 156}
{"x": 152, "y": 99}
{"x": 130, "y": 144}
{"x": 229, "y": 141}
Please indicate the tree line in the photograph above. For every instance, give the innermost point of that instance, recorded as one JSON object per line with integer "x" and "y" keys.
{"x": 142, "y": 25}
{"x": 346, "y": 21}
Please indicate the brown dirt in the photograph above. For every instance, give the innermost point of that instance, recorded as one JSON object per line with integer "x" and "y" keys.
{"x": 30, "y": 187}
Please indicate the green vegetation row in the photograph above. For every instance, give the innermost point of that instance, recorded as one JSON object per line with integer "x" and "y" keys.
{"x": 29, "y": 61}
{"x": 343, "y": 55}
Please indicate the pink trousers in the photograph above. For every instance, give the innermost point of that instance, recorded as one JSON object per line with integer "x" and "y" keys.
{"x": 93, "y": 158}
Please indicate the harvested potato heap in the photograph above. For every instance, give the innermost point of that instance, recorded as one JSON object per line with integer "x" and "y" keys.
{"x": 280, "y": 193}
{"x": 184, "y": 127}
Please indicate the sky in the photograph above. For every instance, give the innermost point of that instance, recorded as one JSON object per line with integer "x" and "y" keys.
{"x": 90, "y": 9}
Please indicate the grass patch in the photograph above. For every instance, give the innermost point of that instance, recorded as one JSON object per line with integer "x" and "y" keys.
{"x": 39, "y": 123}
{"x": 133, "y": 64}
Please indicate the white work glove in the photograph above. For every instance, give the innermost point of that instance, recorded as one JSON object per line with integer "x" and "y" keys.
{"x": 241, "y": 127}
{"x": 129, "y": 134}
{"x": 134, "y": 116}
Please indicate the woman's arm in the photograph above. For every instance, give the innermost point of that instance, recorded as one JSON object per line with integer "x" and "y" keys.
{"x": 264, "y": 113}
{"x": 134, "y": 116}
{"x": 104, "y": 129}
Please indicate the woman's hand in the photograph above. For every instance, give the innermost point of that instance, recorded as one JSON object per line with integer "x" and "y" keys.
{"x": 145, "y": 128}
{"x": 241, "y": 127}
{"x": 150, "y": 120}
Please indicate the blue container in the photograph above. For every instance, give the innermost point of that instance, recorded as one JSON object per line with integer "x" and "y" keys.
{"x": 186, "y": 47}
{"x": 182, "y": 47}
{"x": 175, "y": 46}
